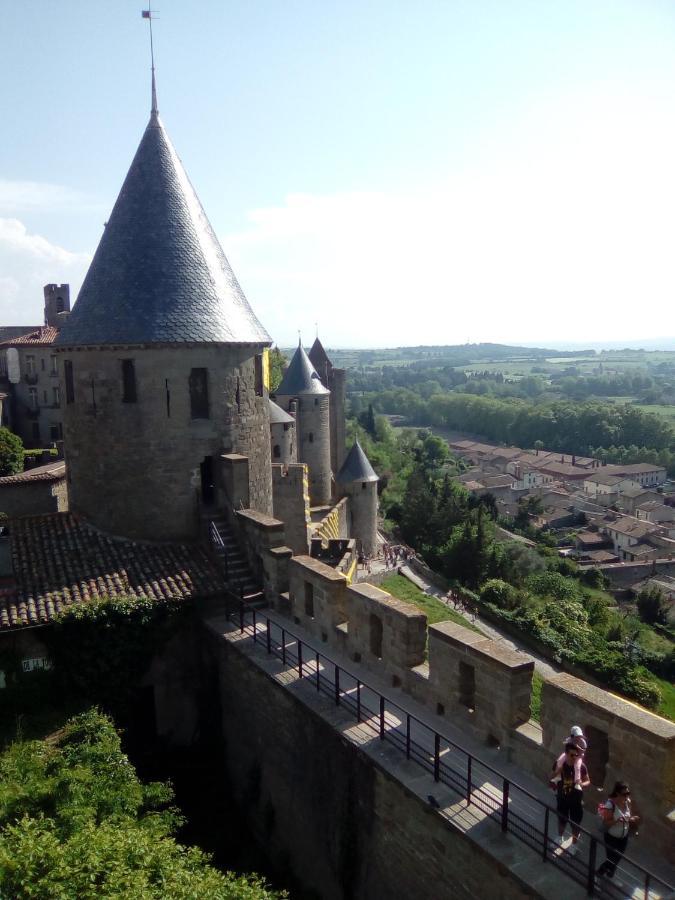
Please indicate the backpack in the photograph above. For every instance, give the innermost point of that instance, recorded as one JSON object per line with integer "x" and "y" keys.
{"x": 604, "y": 826}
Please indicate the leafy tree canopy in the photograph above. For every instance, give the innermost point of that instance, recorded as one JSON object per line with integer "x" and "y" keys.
{"x": 11, "y": 453}
{"x": 76, "y": 822}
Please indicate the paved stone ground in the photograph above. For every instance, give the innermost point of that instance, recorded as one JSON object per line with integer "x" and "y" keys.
{"x": 528, "y": 798}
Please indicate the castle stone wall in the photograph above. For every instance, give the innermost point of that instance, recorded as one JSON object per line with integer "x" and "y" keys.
{"x": 363, "y": 514}
{"x": 134, "y": 468}
{"x": 283, "y": 443}
{"x": 34, "y": 498}
{"x": 335, "y": 524}
{"x": 290, "y": 493}
{"x": 337, "y": 385}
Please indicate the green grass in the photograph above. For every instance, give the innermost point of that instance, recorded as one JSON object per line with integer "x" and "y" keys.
{"x": 435, "y": 611}
{"x": 667, "y": 411}
{"x": 535, "y": 702}
{"x": 667, "y": 706}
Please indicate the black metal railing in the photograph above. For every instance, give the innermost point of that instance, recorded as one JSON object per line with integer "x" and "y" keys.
{"x": 218, "y": 545}
{"x": 511, "y": 807}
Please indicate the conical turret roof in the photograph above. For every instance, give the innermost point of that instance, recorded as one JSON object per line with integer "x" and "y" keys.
{"x": 320, "y": 360}
{"x": 159, "y": 274}
{"x": 300, "y": 377}
{"x": 356, "y": 467}
{"x": 279, "y": 416}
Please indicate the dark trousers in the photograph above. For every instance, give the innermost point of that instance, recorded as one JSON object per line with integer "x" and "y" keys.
{"x": 615, "y": 847}
{"x": 570, "y": 806}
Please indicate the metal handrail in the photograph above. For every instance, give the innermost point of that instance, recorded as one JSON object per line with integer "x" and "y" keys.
{"x": 217, "y": 541}
{"x": 496, "y": 808}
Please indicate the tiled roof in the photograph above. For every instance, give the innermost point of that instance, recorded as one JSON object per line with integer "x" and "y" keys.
{"x": 45, "y": 334}
{"x": 356, "y": 467}
{"x": 159, "y": 274}
{"x": 279, "y": 416}
{"x": 59, "y": 560}
{"x": 300, "y": 377}
{"x": 319, "y": 359}
{"x": 51, "y": 472}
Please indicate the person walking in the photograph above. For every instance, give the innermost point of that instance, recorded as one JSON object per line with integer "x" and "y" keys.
{"x": 570, "y": 802}
{"x": 617, "y": 818}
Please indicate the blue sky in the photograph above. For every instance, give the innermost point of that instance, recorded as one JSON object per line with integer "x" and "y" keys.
{"x": 400, "y": 173}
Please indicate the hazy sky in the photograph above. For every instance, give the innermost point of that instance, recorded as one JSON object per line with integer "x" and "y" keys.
{"x": 400, "y": 172}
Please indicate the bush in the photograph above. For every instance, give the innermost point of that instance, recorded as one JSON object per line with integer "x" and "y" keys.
{"x": 76, "y": 821}
{"x": 500, "y": 593}
{"x": 11, "y": 453}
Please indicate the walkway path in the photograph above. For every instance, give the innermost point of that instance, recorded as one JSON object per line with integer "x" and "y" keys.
{"x": 386, "y": 717}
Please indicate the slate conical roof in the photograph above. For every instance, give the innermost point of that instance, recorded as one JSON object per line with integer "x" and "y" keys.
{"x": 356, "y": 467}
{"x": 279, "y": 416}
{"x": 319, "y": 359}
{"x": 159, "y": 274}
{"x": 300, "y": 377}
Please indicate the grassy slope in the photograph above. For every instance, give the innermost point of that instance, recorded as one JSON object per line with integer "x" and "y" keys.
{"x": 435, "y": 611}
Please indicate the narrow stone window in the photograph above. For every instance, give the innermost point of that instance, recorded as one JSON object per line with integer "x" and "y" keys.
{"x": 376, "y": 635}
{"x": 70, "y": 384}
{"x": 128, "y": 381}
{"x": 309, "y": 599}
{"x": 467, "y": 685}
{"x": 258, "y": 361}
{"x": 277, "y": 451}
{"x": 53, "y": 370}
{"x": 30, "y": 365}
{"x": 311, "y": 438}
{"x": 199, "y": 394}
{"x": 56, "y": 393}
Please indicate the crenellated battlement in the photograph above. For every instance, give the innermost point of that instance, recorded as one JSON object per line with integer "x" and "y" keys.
{"x": 486, "y": 688}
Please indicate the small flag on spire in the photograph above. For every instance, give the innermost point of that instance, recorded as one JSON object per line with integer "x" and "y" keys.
{"x": 145, "y": 13}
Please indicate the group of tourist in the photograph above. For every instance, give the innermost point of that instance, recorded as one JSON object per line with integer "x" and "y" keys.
{"x": 396, "y": 554}
{"x": 568, "y": 780}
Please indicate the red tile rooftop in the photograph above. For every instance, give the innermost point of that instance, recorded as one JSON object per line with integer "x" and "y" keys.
{"x": 53, "y": 471}
{"x": 60, "y": 560}
{"x": 46, "y": 334}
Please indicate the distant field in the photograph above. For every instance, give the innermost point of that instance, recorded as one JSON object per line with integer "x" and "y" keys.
{"x": 667, "y": 411}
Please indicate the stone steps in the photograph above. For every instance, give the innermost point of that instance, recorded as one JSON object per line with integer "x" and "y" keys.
{"x": 239, "y": 577}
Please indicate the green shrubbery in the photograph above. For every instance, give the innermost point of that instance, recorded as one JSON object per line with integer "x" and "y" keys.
{"x": 75, "y": 821}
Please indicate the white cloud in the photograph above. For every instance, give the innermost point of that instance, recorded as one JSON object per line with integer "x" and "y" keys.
{"x": 28, "y": 261}
{"x": 31, "y": 196}
{"x": 565, "y": 233}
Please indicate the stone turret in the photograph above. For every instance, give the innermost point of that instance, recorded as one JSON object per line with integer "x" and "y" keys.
{"x": 359, "y": 482}
{"x": 162, "y": 363}
{"x": 335, "y": 380}
{"x": 302, "y": 394}
{"x": 282, "y": 435}
{"x": 57, "y": 304}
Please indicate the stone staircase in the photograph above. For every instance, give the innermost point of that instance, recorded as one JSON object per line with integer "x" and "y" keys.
{"x": 234, "y": 564}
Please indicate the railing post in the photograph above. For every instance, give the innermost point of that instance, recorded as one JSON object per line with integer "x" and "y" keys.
{"x": 381, "y": 717}
{"x": 437, "y": 756}
{"x": 337, "y": 685}
{"x": 318, "y": 675}
{"x": 407, "y": 736}
{"x": 255, "y": 628}
{"x": 544, "y": 851}
{"x": 358, "y": 700}
{"x": 241, "y": 617}
{"x": 592, "y": 854}
{"x": 283, "y": 646}
{"x": 469, "y": 761}
{"x": 269, "y": 637}
{"x": 505, "y": 806}
{"x": 647, "y": 881}
{"x": 299, "y": 657}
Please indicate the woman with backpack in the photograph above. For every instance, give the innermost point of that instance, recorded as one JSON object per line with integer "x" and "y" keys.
{"x": 617, "y": 819}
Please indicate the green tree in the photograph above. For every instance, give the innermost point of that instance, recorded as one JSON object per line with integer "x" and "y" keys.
{"x": 278, "y": 363}
{"x": 76, "y": 821}
{"x": 11, "y": 453}
{"x": 652, "y": 607}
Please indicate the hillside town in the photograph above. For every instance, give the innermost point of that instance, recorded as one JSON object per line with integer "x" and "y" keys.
{"x": 617, "y": 518}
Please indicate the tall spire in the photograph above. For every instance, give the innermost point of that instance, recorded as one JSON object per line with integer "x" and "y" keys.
{"x": 147, "y": 14}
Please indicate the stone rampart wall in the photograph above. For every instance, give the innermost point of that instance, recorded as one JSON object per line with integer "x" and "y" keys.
{"x": 290, "y": 493}
{"x": 34, "y": 498}
{"x": 334, "y": 525}
{"x": 470, "y": 678}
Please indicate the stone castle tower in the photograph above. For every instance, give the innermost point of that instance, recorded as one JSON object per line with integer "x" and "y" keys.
{"x": 57, "y": 304}
{"x": 302, "y": 394}
{"x": 358, "y": 481}
{"x": 335, "y": 380}
{"x": 161, "y": 361}
{"x": 282, "y": 435}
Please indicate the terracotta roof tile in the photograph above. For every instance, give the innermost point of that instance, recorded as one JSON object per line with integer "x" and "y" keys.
{"x": 60, "y": 560}
{"x": 44, "y": 335}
